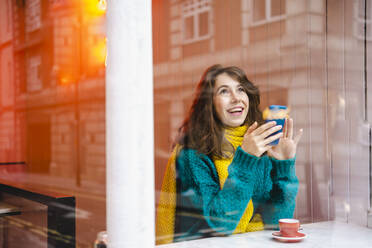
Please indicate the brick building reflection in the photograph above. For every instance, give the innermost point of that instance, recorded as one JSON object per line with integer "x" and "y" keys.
{"x": 50, "y": 50}
{"x": 308, "y": 55}
{"x": 52, "y": 100}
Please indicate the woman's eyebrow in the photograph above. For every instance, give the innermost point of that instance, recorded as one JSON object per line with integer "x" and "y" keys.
{"x": 222, "y": 86}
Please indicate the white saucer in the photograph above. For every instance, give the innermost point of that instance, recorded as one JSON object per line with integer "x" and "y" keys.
{"x": 298, "y": 237}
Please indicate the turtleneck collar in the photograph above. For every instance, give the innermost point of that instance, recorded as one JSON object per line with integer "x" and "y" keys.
{"x": 235, "y": 135}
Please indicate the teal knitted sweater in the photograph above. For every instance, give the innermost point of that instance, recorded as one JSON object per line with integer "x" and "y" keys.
{"x": 204, "y": 209}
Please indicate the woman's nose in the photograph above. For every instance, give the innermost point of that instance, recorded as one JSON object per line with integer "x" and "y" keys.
{"x": 234, "y": 97}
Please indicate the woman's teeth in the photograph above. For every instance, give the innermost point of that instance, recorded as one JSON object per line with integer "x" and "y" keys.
{"x": 235, "y": 110}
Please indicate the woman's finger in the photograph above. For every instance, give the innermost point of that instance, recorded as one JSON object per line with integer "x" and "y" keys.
{"x": 272, "y": 138}
{"x": 298, "y": 136}
{"x": 252, "y": 127}
{"x": 270, "y": 131}
{"x": 290, "y": 128}
{"x": 263, "y": 127}
{"x": 285, "y": 128}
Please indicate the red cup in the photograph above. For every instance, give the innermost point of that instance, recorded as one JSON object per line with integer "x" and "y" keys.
{"x": 289, "y": 227}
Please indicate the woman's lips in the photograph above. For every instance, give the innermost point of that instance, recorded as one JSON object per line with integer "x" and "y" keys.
{"x": 236, "y": 111}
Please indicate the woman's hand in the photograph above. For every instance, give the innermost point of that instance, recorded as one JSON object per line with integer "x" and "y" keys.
{"x": 286, "y": 148}
{"x": 256, "y": 140}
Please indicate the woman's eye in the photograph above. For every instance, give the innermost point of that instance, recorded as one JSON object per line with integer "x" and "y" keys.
{"x": 241, "y": 89}
{"x": 223, "y": 91}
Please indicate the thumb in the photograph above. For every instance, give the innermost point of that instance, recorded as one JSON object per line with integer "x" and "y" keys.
{"x": 298, "y": 136}
{"x": 252, "y": 127}
{"x": 272, "y": 153}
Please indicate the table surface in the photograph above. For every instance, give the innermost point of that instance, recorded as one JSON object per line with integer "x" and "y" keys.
{"x": 320, "y": 234}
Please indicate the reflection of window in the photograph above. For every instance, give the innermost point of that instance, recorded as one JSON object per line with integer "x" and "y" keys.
{"x": 196, "y": 20}
{"x": 34, "y": 82}
{"x": 33, "y": 15}
{"x": 267, "y": 11}
{"x": 9, "y": 21}
{"x": 359, "y": 20}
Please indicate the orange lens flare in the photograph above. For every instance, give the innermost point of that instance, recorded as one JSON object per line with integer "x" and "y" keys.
{"x": 95, "y": 7}
{"x": 99, "y": 52}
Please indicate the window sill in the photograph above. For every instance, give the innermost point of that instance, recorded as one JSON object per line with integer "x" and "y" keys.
{"x": 195, "y": 40}
{"x": 271, "y": 20}
{"x": 321, "y": 234}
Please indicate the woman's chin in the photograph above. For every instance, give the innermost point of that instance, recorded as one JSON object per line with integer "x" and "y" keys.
{"x": 234, "y": 124}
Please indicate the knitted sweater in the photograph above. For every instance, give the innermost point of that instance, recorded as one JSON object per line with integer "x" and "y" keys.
{"x": 204, "y": 209}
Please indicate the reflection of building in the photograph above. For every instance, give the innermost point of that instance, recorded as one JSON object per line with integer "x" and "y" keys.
{"x": 293, "y": 51}
{"x": 41, "y": 45}
{"x": 48, "y": 50}
{"x": 7, "y": 89}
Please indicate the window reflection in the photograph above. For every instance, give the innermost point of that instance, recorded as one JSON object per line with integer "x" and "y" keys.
{"x": 52, "y": 104}
{"x": 203, "y": 24}
{"x": 362, "y": 19}
{"x": 189, "y": 28}
{"x": 259, "y": 10}
{"x": 309, "y": 55}
{"x": 196, "y": 20}
{"x": 268, "y": 10}
{"x": 277, "y": 7}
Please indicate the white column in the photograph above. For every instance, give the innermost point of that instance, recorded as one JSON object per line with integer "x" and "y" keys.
{"x": 129, "y": 125}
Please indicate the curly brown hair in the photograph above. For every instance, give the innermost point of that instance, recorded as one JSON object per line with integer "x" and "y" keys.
{"x": 202, "y": 130}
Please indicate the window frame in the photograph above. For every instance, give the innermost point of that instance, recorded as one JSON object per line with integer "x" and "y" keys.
{"x": 185, "y": 13}
{"x": 268, "y": 18}
{"x": 34, "y": 81}
{"x": 358, "y": 21}
{"x": 8, "y": 15}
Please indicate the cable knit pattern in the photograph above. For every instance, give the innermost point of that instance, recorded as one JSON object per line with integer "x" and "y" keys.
{"x": 248, "y": 222}
{"x": 205, "y": 209}
{"x": 281, "y": 203}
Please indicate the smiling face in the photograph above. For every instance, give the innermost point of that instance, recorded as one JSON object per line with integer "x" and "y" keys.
{"x": 230, "y": 101}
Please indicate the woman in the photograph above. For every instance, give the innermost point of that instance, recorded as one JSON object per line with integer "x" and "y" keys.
{"x": 223, "y": 176}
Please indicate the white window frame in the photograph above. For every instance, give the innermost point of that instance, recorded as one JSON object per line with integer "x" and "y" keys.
{"x": 359, "y": 22}
{"x": 185, "y": 13}
{"x": 268, "y": 18}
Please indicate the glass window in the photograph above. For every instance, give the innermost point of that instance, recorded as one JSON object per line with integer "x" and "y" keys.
{"x": 267, "y": 11}
{"x": 8, "y": 15}
{"x": 196, "y": 20}
{"x": 259, "y": 12}
{"x": 52, "y": 120}
{"x": 203, "y": 24}
{"x": 277, "y": 7}
{"x": 362, "y": 25}
{"x": 312, "y": 64}
{"x": 361, "y": 8}
{"x": 189, "y": 28}
{"x": 34, "y": 82}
